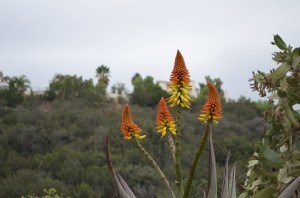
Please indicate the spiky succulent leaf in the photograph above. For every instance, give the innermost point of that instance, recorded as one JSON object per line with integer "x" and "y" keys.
{"x": 212, "y": 192}
{"x": 232, "y": 183}
{"x": 225, "y": 187}
{"x": 120, "y": 185}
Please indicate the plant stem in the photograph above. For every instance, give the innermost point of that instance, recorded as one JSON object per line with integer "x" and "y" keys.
{"x": 203, "y": 140}
{"x": 172, "y": 147}
{"x": 178, "y": 136}
{"x": 155, "y": 166}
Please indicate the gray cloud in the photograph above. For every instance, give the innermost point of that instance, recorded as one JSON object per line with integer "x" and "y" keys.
{"x": 226, "y": 39}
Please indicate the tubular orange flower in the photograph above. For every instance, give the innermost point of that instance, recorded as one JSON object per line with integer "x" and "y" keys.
{"x": 164, "y": 119}
{"x": 212, "y": 109}
{"x": 180, "y": 84}
{"x": 128, "y": 127}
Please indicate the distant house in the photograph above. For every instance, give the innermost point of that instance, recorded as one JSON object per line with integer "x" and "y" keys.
{"x": 118, "y": 91}
{"x": 36, "y": 91}
{"x": 3, "y": 83}
{"x": 165, "y": 86}
{"x": 226, "y": 96}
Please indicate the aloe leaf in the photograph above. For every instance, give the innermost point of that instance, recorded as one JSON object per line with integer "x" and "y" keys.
{"x": 288, "y": 192}
{"x": 232, "y": 183}
{"x": 125, "y": 186}
{"x": 212, "y": 192}
{"x": 225, "y": 189}
{"x": 120, "y": 185}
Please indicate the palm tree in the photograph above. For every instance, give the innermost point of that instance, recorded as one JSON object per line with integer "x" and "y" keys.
{"x": 102, "y": 73}
{"x": 19, "y": 84}
{"x": 16, "y": 90}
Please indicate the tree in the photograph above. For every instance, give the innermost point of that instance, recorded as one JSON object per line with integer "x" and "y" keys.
{"x": 146, "y": 93}
{"x": 102, "y": 73}
{"x": 204, "y": 91}
{"x": 217, "y": 82}
{"x": 67, "y": 87}
{"x": 16, "y": 90}
{"x": 136, "y": 79}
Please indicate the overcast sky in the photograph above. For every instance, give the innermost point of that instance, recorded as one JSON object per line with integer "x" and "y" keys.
{"x": 225, "y": 38}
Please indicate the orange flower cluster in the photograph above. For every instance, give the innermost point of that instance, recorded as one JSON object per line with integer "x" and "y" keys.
{"x": 164, "y": 119}
{"x": 212, "y": 109}
{"x": 128, "y": 127}
{"x": 180, "y": 84}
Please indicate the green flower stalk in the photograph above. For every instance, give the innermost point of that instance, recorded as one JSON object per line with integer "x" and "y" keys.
{"x": 179, "y": 181}
{"x": 155, "y": 166}
{"x": 196, "y": 160}
{"x": 180, "y": 85}
{"x": 172, "y": 147}
{"x": 211, "y": 111}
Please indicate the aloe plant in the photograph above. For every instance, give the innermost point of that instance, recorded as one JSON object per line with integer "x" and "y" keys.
{"x": 229, "y": 183}
{"x": 180, "y": 98}
{"x": 274, "y": 168}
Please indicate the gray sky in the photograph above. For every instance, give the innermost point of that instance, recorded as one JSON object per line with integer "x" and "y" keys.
{"x": 226, "y": 39}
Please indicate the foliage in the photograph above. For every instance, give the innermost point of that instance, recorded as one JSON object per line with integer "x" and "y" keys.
{"x": 146, "y": 93}
{"x": 102, "y": 73}
{"x": 67, "y": 87}
{"x": 61, "y": 141}
{"x": 16, "y": 90}
{"x": 58, "y": 143}
{"x": 276, "y": 162}
{"x": 49, "y": 193}
{"x": 204, "y": 90}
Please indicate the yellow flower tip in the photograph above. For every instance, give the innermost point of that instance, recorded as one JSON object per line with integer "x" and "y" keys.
{"x": 164, "y": 119}
{"x": 173, "y": 132}
{"x": 179, "y": 84}
{"x": 212, "y": 109}
{"x": 215, "y": 122}
{"x": 128, "y": 128}
{"x": 202, "y": 119}
{"x": 141, "y": 137}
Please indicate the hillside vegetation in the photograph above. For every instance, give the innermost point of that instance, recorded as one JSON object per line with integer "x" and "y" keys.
{"x": 60, "y": 144}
